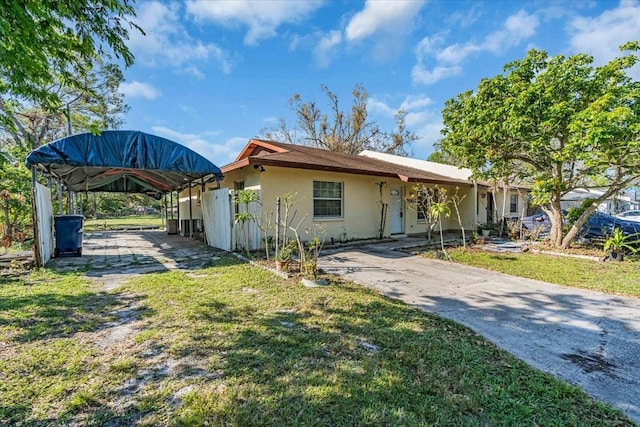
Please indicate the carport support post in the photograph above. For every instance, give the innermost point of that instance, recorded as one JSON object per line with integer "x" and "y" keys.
{"x": 177, "y": 209}
{"x": 59, "y": 197}
{"x": 165, "y": 218}
{"x": 202, "y": 190}
{"x": 190, "y": 213}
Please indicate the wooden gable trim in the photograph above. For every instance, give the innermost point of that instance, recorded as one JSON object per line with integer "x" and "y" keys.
{"x": 253, "y": 144}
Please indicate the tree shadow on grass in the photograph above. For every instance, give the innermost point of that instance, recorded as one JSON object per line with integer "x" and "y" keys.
{"x": 371, "y": 361}
{"x": 377, "y": 363}
{"x": 57, "y": 315}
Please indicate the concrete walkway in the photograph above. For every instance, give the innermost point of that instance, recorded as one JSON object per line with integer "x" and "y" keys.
{"x": 112, "y": 256}
{"x": 589, "y": 339}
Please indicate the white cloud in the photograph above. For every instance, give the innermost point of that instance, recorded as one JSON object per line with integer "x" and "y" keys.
{"x": 421, "y": 74}
{"x": 412, "y": 102}
{"x": 386, "y": 16}
{"x": 262, "y": 18}
{"x": 420, "y": 118}
{"x": 326, "y": 48}
{"x": 194, "y": 71}
{"x": 218, "y": 154}
{"x": 468, "y": 17}
{"x": 168, "y": 42}
{"x": 417, "y": 119}
{"x": 386, "y": 24}
{"x": 136, "y": 89}
{"x": 428, "y": 46}
{"x": 516, "y": 29}
{"x": 375, "y": 106}
{"x": 429, "y": 134}
{"x": 601, "y": 36}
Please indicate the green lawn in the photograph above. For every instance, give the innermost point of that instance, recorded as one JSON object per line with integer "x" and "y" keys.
{"x": 123, "y": 222}
{"x": 235, "y": 345}
{"x": 613, "y": 277}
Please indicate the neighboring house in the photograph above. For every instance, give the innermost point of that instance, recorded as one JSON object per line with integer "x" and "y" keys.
{"x": 492, "y": 202}
{"x": 346, "y": 193}
{"x": 612, "y": 205}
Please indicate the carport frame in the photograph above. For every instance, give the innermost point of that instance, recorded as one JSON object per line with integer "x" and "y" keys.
{"x": 82, "y": 161}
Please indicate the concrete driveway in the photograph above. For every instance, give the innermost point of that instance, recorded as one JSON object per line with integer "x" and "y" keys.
{"x": 588, "y": 339}
{"x": 112, "y": 256}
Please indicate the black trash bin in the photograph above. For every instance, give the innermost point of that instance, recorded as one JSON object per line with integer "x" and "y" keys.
{"x": 68, "y": 235}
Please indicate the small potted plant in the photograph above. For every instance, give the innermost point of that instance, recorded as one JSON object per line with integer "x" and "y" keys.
{"x": 618, "y": 243}
{"x": 485, "y": 229}
{"x": 283, "y": 258}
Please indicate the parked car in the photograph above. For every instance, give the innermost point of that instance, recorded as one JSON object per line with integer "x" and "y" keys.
{"x": 598, "y": 226}
{"x": 601, "y": 225}
{"x": 633, "y": 215}
{"x": 539, "y": 223}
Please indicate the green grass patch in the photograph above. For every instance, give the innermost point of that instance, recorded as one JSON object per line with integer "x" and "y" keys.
{"x": 123, "y": 222}
{"x": 235, "y": 345}
{"x": 613, "y": 277}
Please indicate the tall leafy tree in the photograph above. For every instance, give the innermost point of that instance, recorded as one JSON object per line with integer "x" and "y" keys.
{"x": 559, "y": 122}
{"x": 338, "y": 130}
{"x": 15, "y": 190}
{"x": 28, "y": 126}
{"x": 101, "y": 106}
{"x": 45, "y": 43}
{"x": 443, "y": 157}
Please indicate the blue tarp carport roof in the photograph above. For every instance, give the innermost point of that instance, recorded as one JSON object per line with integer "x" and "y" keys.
{"x": 122, "y": 161}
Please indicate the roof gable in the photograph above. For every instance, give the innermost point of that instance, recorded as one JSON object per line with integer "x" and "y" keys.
{"x": 257, "y": 147}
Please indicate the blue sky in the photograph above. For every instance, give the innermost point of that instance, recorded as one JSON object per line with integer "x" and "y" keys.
{"x": 212, "y": 74}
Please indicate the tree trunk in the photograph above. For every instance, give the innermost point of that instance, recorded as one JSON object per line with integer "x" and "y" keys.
{"x": 7, "y": 221}
{"x": 555, "y": 216}
{"x": 577, "y": 226}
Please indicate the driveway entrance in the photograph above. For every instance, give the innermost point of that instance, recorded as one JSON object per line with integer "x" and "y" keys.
{"x": 588, "y": 339}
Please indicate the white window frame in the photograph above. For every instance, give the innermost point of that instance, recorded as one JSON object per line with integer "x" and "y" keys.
{"x": 511, "y": 210}
{"x": 322, "y": 217}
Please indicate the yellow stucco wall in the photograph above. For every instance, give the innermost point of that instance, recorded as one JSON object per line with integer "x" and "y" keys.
{"x": 499, "y": 201}
{"x": 183, "y": 205}
{"x": 361, "y": 209}
{"x": 466, "y": 208}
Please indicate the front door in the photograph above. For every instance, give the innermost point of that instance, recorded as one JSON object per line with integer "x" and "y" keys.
{"x": 396, "y": 210}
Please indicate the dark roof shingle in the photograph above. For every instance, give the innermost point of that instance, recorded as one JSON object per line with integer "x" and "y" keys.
{"x": 271, "y": 153}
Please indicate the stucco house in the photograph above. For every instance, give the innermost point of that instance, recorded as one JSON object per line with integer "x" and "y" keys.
{"x": 493, "y": 202}
{"x": 353, "y": 196}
